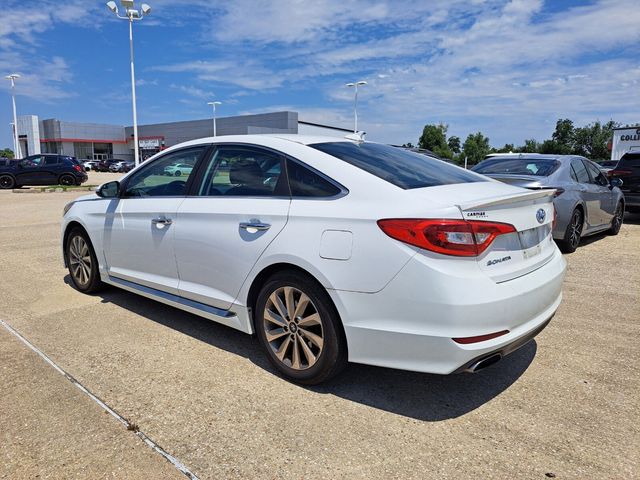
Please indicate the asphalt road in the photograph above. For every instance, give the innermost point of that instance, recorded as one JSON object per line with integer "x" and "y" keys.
{"x": 566, "y": 404}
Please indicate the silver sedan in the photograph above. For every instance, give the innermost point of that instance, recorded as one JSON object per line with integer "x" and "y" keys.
{"x": 586, "y": 202}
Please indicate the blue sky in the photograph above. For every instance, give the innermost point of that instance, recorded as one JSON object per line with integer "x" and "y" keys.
{"x": 507, "y": 68}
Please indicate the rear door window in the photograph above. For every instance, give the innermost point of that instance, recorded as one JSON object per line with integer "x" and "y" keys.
{"x": 402, "y": 168}
{"x": 580, "y": 171}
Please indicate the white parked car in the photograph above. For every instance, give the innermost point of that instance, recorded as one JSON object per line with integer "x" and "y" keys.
{"x": 329, "y": 250}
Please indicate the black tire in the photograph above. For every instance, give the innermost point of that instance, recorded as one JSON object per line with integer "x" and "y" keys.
{"x": 573, "y": 233}
{"x": 7, "y": 182}
{"x": 67, "y": 180}
{"x": 330, "y": 358}
{"x": 93, "y": 283}
{"x": 616, "y": 221}
{"x": 177, "y": 173}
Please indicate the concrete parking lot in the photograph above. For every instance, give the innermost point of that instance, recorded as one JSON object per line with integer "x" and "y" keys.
{"x": 566, "y": 405}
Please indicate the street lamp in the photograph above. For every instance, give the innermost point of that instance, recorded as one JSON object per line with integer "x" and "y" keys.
{"x": 355, "y": 103}
{"x": 131, "y": 14}
{"x": 213, "y": 104}
{"x": 16, "y": 141}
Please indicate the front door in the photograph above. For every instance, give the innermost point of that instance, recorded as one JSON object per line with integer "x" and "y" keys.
{"x": 139, "y": 233}
{"x": 30, "y": 171}
{"x": 605, "y": 195}
{"x": 242, "y": 204}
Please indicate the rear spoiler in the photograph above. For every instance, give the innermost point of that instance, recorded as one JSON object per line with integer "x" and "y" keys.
{"x": 506, "y": 199}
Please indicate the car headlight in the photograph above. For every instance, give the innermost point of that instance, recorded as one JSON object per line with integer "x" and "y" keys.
{"x": 67, "y": 207}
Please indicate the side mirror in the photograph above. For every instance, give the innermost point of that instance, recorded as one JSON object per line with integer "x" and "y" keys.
{"x": 109, "y": 190}
{"x": 616, "y": 182}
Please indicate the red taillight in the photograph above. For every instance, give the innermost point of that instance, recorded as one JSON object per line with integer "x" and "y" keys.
{"x": 620, "y": 173}
{"x": 77, "y": 168}
{"x": 461, "y": 238}
{"x": 558, "y": 192}
{"x": 479, "y": 338}
{"x": 555, "y": 216}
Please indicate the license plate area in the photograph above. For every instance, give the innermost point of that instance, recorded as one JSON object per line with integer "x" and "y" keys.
{"x": 531, "y": 240}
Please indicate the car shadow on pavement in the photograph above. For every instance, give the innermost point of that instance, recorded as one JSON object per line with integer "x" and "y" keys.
{"x": 420, "y": 396}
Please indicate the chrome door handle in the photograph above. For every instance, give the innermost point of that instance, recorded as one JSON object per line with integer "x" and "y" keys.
{"x": 255, "y": 226}
{"x": 161, "y": 221}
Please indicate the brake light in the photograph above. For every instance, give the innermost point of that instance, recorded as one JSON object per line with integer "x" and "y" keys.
{"x": 461, "y": 238}
{"x": 619, "y": 173}
{"x": 77, "y": 168}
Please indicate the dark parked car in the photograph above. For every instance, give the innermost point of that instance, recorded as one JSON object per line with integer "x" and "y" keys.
{"x": 628, "y": 170}
{"x": 42, "y": 169}
{"x": 122, "y": 167}
{"x": 586, "y": 202}
{"x": 104, "y": 165}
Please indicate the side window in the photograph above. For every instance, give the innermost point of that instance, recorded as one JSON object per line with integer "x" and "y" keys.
{"x": 596, "y": 175}
{"x": 50, "y": 160}
{"x": 31, "y": 162}
{"x": 306, "y": 183}
{"x": 165, "y": 176}
{"x": 581, "y": 172}
{"x": 244, "y": 171}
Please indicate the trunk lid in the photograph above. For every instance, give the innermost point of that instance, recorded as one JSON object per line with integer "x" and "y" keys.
{"x": 531, "y": 246}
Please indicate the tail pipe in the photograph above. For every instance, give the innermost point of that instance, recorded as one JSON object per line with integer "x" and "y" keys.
{"x": 484, "y": 363}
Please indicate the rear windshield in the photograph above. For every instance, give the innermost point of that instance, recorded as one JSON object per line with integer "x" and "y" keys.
{"x": 400, "y": 167}
{"x": 517, "y": 166}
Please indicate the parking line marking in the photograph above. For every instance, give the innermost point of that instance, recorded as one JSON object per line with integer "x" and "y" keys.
{"x": 153, "y": 445}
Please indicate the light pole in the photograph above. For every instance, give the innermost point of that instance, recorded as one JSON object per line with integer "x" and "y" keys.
{"x": 355, "y": 103}
{"x": 132, "y": 14}
{"x": 16, "y": 141}
{"x": 213, "y": 104}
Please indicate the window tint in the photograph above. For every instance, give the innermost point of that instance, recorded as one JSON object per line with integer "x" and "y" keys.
{"x": 303, "y": 182}
{"x": 244, "y": 171}
{"x": 517, "y": 166}
{"x": 400, "y": 167}
{"x": 596, "y": 175}
{"x": 165, "y": 176}
{"x": 50, "y": 160}
{"x": 580, "y": 171}
{"x": 32, "y": 162}
{"x": 629, "y": 160}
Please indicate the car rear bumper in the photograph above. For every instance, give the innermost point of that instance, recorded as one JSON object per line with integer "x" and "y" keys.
{"x": 631, "y": 199}
{"x": 410, "y": 324}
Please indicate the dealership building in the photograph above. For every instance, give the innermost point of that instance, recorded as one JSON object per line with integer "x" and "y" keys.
{"x": 99, "y": 141}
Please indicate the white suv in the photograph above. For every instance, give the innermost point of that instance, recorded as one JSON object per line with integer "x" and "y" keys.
{"x": 329, "y": 250}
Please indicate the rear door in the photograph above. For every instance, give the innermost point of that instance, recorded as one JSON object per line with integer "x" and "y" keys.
{"x": 241, "y": 204}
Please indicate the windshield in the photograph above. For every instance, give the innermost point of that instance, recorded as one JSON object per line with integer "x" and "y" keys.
{"x": 517, "y": 166}
{"x": 400, "y": 167}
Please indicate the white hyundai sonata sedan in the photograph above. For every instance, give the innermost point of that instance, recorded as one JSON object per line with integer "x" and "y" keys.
{"x": 329, "y": 250}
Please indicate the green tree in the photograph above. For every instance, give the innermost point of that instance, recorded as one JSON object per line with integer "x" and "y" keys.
{"x": 454, "y": 144}
{"x": 530, "y": 146}
{"x": 434, "y": 138}
{"x": 7, "y": 153}
{"x": 591, "y": 140}
{"x": 553, "y": 146}
{"x": 475, "y": 148}
{"x": 508, "y": 148}
{"x": 563, "y": 136}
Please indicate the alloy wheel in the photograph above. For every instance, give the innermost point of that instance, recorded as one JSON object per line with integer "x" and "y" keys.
{"x": 80, "y": 260}
{"x": 67, "y": 180}
{"x": 576, "y": 229}
{"x": 617, "y": 218}
{"x": 293, "y": 328}
{"x": 6, "y": 181}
